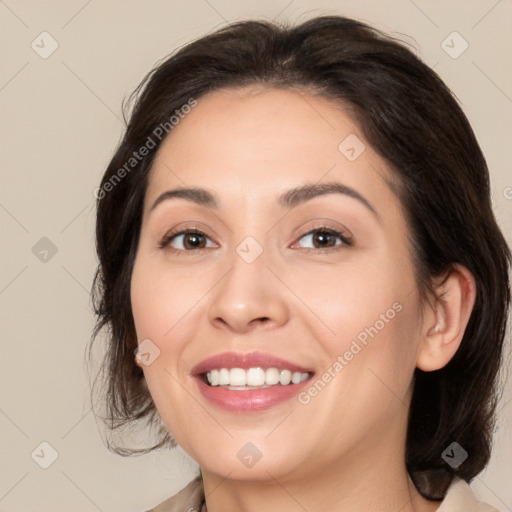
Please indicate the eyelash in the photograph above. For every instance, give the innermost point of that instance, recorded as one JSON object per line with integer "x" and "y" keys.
{"x": 345, "y": 239}
{"x": 189, "y": 230}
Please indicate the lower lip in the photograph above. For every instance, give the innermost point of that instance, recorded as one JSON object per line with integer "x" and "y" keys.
{"x": 250, "y": 400}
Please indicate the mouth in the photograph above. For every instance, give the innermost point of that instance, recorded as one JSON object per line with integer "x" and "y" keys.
{"x": 239, "y": 379}
{"x": 249, "y": 382}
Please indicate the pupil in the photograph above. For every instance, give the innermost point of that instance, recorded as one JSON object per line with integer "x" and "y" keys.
{"x": 194, "y": 239}
{"x": 323, "y": 238}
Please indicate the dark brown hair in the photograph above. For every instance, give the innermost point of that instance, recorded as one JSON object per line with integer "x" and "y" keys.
{"x": 414, "y": 122}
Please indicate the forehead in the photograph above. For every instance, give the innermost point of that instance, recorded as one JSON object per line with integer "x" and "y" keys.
{"x": 267, "y": 122}
{"x": 252, "y": 142}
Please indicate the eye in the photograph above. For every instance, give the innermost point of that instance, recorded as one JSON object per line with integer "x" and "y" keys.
{"x": 186, "y": 240}
{"x": 324, "y": 237}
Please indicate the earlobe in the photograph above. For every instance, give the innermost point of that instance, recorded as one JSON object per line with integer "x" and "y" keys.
{"x": 446, "y": 322}
{"x": 137, "y": 360}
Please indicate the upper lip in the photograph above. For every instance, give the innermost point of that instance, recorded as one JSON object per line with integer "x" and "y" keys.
{"x": 246, "y": 361}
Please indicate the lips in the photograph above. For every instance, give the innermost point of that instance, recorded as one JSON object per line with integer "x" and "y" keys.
{"x": 243, "y": 397}
{"x": 246, "y": 361}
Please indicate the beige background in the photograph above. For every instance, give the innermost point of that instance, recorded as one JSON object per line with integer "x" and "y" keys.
{"x": 60, "y": 121}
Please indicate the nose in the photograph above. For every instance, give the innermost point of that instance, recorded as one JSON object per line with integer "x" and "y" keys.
{"x": 248, "y": 297}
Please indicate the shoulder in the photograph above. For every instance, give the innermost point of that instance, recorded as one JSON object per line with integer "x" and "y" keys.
{"x": 461, "y": 497}
{"x": 189, "y": 499}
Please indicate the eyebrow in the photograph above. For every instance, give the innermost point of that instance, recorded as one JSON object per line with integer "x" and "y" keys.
{"x": 196, "y": 195}
{"x": 298, "y": 195}
{"x": 289, "y": 199}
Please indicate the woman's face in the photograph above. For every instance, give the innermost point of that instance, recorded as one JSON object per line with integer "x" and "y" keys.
{"x": 275, "y": 283}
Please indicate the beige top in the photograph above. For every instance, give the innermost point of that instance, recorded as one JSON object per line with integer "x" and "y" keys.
{"x": 459, "y": 498}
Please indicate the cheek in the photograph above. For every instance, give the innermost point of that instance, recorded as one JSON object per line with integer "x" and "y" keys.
{"x": 162, "y": 310}
{"x": 352, "y": 300}
{"x": 157, "y": 307}
{"x": 381, "y": 356}
{"x": 366, "y": 320}
{"x": 163, "y": 303}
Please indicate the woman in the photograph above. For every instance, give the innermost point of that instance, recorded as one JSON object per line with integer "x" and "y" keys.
{"x": 296, "y": 238}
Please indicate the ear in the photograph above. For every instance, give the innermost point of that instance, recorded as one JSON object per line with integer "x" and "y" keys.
{"x": 445, "y": 322}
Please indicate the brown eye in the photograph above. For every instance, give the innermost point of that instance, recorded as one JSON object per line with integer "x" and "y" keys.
{"x": 324, "y": 238}
{"x": 186, "y": 240}
{"x": 193, "y": 241}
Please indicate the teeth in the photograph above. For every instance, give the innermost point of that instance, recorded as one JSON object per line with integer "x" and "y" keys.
{"x": 223, "y": 377}
{"x": 237, "y": 377}
{"x": 286, "y": 377}
{"x": 252, "y": 377}
{"x": 214, "y": 377}
{"x": 296, "y": 377}
{"x": 272, "y": 376}
{"x": 255, "y": 377}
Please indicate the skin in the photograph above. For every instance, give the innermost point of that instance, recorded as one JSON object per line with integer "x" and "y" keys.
{"x": 300, "y": 301}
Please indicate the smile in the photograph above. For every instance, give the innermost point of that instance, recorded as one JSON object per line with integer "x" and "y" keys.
{"x": 250, "y": 382}
{"x": 237, "y": 379}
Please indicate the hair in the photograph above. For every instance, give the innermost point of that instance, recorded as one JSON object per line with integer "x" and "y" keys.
{"x": 440, "y": 176}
